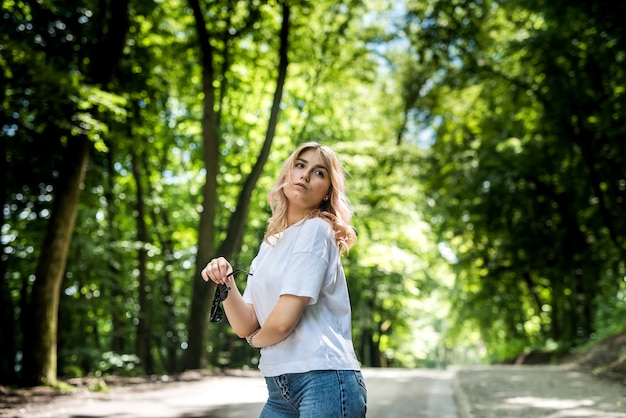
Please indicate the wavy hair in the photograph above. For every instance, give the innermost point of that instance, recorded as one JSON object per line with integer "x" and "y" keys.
{"x": 336, "y": 210}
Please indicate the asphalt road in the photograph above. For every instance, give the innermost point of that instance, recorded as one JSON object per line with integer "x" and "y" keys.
{"x": 392, "y": 393}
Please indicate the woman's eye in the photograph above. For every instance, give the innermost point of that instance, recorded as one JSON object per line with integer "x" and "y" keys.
{"x": 299, "y": 165}
{"x": 319, "y": 173}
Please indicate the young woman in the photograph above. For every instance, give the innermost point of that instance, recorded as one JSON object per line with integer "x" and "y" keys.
{"x": 296, "y": 307}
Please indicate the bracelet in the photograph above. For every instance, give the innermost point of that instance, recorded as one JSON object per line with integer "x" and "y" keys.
{"x": 251, "y": 336}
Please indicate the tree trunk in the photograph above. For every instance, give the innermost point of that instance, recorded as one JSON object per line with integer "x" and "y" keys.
{"x": 198, "y": 321}
{"x": 40, "y": 350}
{"x": 7, "y": 326}
{"x": 143, "y": 326}
{"x": 236, "y": 226}
{"x": 40, "y": 333}
{"x": 197, "y": 325}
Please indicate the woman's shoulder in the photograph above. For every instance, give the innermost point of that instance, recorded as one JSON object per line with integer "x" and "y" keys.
{"x": 317, "y": 225}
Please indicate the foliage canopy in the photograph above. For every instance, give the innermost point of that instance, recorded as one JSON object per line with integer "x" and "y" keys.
{"x": 484, "y": 142}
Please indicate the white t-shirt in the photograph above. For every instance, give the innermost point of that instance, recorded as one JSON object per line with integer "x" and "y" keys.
{"x": 304, "y": 262}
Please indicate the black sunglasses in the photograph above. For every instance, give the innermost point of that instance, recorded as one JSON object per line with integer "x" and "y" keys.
{"x": 221, "y": 292}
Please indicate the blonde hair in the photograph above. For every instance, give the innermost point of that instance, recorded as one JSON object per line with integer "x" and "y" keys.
{"x": 335, "y": 210}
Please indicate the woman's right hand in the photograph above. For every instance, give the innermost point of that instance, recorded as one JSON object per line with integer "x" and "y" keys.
{"x": 217, "y": 270}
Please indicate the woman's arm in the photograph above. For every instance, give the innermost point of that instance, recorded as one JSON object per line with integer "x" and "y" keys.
{"x": 281, "y": 321}
{"x": 240, "y": 314}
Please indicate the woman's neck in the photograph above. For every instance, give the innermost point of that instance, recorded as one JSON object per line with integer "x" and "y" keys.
{"x": 295, "y": 218}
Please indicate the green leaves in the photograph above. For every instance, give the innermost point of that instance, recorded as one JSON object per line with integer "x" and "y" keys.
{"x": 483, "y": 143}
{"x": 518, "y": 173}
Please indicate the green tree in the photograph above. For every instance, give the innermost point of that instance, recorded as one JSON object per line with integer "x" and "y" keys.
{"x": 523, "y": 173}
{"x": 199, "y": 314}
{"x": 45, "y": 26}
{"x": 130, "y": 296}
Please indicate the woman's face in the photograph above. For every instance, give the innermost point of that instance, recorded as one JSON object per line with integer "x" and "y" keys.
{"x": 308, "y": 184}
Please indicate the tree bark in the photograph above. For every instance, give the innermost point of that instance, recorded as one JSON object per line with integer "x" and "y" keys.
{"x": 143, "y": 348}
{"x": 7, "y": 327}
{"x": 198, "y": 321}
{"x": 40, "y": 333}
{"x": 40, "y": 349}
{"x": 237, "y": 223}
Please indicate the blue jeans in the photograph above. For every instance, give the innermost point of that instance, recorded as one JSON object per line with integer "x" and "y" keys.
{"x": 316, "y": 394}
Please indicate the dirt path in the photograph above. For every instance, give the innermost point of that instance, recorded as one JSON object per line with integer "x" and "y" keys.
{"x": 481, "y": 392}
{"x": 392, "y": 393}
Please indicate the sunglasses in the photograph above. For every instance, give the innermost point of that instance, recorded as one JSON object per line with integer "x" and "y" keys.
{"x": 221, "y": 292}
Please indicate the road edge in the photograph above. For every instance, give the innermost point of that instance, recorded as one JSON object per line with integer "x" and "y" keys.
{"x": 464, "y": 408}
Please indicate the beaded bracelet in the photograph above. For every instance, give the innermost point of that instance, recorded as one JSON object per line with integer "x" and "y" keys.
{"x": 251, "y": 336}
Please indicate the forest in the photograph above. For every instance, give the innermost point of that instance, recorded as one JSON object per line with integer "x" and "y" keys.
{"x": 484, "y": 141}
